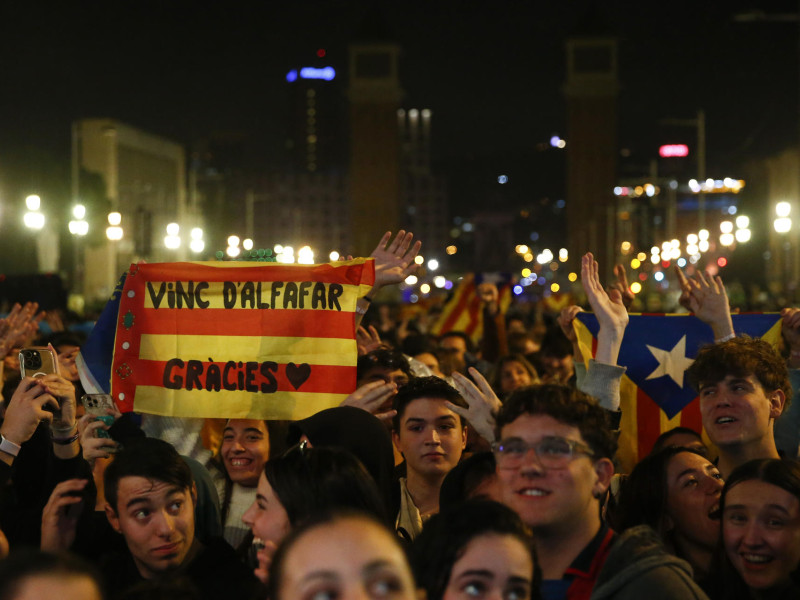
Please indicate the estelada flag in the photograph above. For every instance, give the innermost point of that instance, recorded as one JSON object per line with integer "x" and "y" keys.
{"x": 654, "y": 393}
{"x": 237, "y": 339}
{"x": 462, "y": 312}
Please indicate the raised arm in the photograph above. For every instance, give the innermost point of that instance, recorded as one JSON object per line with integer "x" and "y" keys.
{"x": 609, "y": 309}
{"x": 706, "y": 297}
{"x": 394, "y": 261}
{"x": 482, "y": 401}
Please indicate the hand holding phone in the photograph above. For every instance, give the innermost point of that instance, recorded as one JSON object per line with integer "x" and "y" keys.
{"x": 100, "y": 407}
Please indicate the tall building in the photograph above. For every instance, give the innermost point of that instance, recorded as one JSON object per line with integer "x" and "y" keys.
{"x": 374, "y": 93}
{"x": 316, "y": 136}
{"x": 143, "y": 177}
{"x": 591, "y": 91}
{"x": 423, "y": 195}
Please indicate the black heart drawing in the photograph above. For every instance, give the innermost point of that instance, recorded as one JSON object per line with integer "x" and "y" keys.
{"x": 298, "y": 374}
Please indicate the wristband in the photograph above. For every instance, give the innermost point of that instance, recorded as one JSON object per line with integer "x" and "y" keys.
{"x": 366, "y": 297}
{"x": 66, "y": 441}
{"x": 361, "y": 311}
{"x": 727, "y": 338}
{"x": 8, "y": 446}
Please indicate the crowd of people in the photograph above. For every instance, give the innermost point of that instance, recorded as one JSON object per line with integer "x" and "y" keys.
{"x": 453, "y": 471}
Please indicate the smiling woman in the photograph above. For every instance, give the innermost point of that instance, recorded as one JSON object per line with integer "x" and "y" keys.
{"x": 676, "y": 492}
{"x": 761, "y": 531}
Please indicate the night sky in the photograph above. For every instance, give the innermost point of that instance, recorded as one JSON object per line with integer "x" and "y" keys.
{"x": 491, "y": 72}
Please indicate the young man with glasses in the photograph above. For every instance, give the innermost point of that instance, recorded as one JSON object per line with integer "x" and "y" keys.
{"x": 554, "y": 468}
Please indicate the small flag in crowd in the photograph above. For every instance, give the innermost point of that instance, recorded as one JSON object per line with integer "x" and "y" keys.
{"x": 656, "y": 350}
{"x": 462, "y": 312}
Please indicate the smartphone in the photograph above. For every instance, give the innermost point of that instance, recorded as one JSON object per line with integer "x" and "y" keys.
{"x": 37, "y": 361}
{"x": 96, "y": 405}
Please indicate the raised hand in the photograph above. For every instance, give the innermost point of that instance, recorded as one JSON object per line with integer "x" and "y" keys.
{"x": 94, "y": 447}
{"x": 621, "y": 285}
{"x": 19, "y": 326}
{"x": 482, "y": 401}
{"x": 608, "y": 308}
{"x": 64, "y": 392}
{"x": 59, "y": 518}
{"x": 395, "y": 261}
{"x": 373, "y": 398}
{"x": 26, "y": 410}
{"x": 565, "y": 319}
{"x": 791, "y": 333}
{"x": 706, "y": 297}
{"x": 367, "y": 341}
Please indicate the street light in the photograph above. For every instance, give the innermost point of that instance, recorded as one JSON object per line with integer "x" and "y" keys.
{"x": 114, "y": 231}
{"x": 783, "y": 224}
{"x": 172, "y": 240}
{"x": 79, "y": 226}
{"x": 33, "y": 219}
{"x": 197, "y": 244}
{"x": 233, "y": 249}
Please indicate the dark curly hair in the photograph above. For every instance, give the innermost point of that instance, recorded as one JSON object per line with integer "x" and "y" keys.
{"x": 565, "y": 404}
{"x": 741, "y": 356}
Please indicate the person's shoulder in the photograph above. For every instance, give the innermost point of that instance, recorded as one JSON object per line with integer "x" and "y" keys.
{"x": 638, "y": 565}
{"x": 218, "y": 573}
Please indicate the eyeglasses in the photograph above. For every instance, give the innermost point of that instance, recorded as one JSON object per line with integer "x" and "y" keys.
{"x": 553, "y": 452}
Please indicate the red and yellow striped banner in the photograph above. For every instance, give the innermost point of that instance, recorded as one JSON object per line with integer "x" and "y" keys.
{"x": 237, "y": 339}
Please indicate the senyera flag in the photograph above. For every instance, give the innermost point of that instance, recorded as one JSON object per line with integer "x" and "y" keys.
{"x": 237, "y": 339}
{"x": 657, "y": 349}
{"x": 462, "y": 312}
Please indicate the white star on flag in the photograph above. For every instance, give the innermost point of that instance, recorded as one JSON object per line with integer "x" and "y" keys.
{"x": 671, "y": 362}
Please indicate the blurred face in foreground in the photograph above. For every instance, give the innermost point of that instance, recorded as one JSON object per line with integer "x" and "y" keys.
{"x": 348, "y": 559}
{"x": 63, "y": 587}
{"x": 761, "y": 534}
{"x": 491, "y": 566}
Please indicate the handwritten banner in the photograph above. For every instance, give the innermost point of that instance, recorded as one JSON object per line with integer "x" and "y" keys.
{"x": 237, "y": 340}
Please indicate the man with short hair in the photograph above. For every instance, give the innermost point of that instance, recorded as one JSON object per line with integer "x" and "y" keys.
{"x": 554, "y": 468}
{"x": 557, "y": 488}
{"x": 150, "y": 498}
{"x": 744, "y": 387}
{"x": 431, "y": 438}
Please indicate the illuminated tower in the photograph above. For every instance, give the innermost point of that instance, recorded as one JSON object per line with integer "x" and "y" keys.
{"x": 316, "y": 135}
{"x": 591, "y": 91}
{"x": 374, "y": 94}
